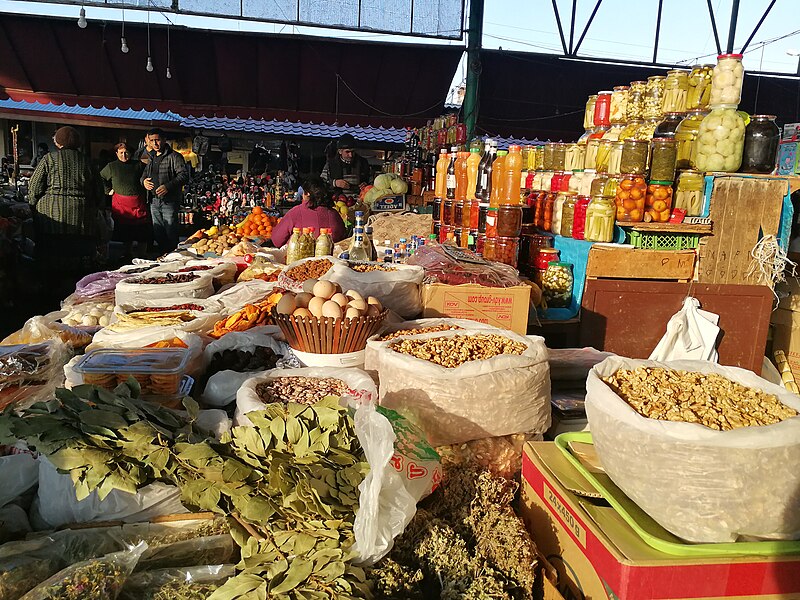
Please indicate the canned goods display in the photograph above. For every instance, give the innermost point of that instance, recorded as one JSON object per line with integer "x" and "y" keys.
{"x": 600, "y": 217}
{"x": 579, "y": 220}
{"x": 509, "y": 221}
{"x": 663, "y": 155}
{"x": 491, "y": 223}
{"x": 676, "y": 91}
{"x": 630, "y": 198}
{"x": 507, "y": 251}
{"x": 543, "y": 259}
{"x": 658, "y": 202}
{"x": 689, "y": 192}
{"x": 437, "y": 209}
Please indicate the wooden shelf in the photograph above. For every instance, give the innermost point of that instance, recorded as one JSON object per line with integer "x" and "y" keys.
{"x": 668, "y": 227}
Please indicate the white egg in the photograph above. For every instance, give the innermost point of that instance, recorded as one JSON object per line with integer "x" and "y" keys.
{"x": 352, "y": 313}
{"x": 104, "y": 321}
{"x": 331, "y": 309}
{"x": 372, "y": 300}
{"x": 315, "y": 306}
{"x": 324, "y": 289}
{"x": 358, "y": 304}
{"x": 303, "y": 312}
{"x": 302, "y": 299}
{"x": 286, "y": 305}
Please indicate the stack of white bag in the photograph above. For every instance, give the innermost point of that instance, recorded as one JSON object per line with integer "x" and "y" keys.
{"x": 701, "y": 484}
{"x": 502, "y": 395}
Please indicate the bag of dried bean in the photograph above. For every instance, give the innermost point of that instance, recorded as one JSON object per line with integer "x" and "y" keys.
{"x": 467, "y": 385}
{"x": 709, "y": 452}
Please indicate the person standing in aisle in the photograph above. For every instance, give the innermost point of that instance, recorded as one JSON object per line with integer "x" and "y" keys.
{"x": 164, "y": 178}
{"x": 128, "y": 203}
{"x": 346, "y": 171}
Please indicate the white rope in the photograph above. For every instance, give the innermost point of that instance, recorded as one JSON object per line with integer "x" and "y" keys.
{"x": 769, "y": 263}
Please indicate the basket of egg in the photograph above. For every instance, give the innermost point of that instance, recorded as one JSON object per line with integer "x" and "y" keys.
{"x": 323, "y": 320}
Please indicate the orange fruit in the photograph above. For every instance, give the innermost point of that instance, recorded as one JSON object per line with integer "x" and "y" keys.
{"x": 257, "y": 210}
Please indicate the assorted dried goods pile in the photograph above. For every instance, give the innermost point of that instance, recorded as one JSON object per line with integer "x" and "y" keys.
{"x": 454, "y": 351}
{"x": 303, "y": 390}
{"x": 168, "y": 278}
{"x": 312, "y": 269}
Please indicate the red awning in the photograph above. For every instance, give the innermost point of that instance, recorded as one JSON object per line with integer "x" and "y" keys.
{"x": 225, "y": 74}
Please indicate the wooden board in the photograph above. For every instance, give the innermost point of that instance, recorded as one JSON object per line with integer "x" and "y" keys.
{"x": 624, "y": 262}
{"x": 668, "y": 227}
{"x": 741, "y": 209}
{"x": 630, "y": 317}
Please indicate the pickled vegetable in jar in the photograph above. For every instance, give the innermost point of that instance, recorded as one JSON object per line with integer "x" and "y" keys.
{"x": 676, "y": 91}
{"x": 568, "y": 215}
{"x": 575, "y": 182}
{"x": 579, "y": 220}
{"x": 544, "y": 257}
{"x": 658, "y": 202}
{"x": 630, "y": 198}
{"x": 489, "y": 248}
{"x": 663, "y": 154}
{"x": 689, "y": 192}
{"x": 558, "y": 211}
{"x": 654, "y": 97}
{"x": 557, "y": 284}
{"x": 530, "y": 158}
{"x": 634, "y": 156}
{"x": 538, "y": 155}
{"x": 491, "y": 223}
{"x": 648, "y": 129}
{"x": 634, "y": 108}
{"x": 509, "y": 221}
{"x": 720, "y": 140}
{"x": 598, "y": 184}
{"x": 615, "y": 158}
{"x": 610, "y": 188}
{"x": 613, "y": 133}
{"x": 547, "y": 217}
{"x": 600, "y": 217}
{"x": 549, "y": 156}
{"x": 726, "y": 84}
{"x": 590, "y": 157}
{"x": 619, "y": 104}
{"x": 699, "y": 87}
{"x": 559, "y": 158}
{"x": 667, "y": 127}
{"x": 602, "y": 110}
{"x": 602, "y": 156}
{"x": 506, "y": 250}
{"x": 761, "y": 138}
{"x": 686, "y": 139}
{"x": 588, "y": 115}
{"x": 587, "y": 179}
{"x": 573, "y": 157}
{"x": 631, "y": 130}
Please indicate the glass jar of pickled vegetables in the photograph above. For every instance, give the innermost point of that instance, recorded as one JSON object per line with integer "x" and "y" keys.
{"x": 726, "y": 84}
{"x": 630, "y": 198}
{"x": 598, "y": 184}
{"x": 586, "y": 182}
{"x": 662, "y": 159}
{"x": 631, "y": 130}
{"x": 602, "y": 110}
{"x": 615, "y": 158}
{"x": 613, "y": 132}
{"x": 603, "y": 153}
{"x": 549, "y": 156}
{"x": 588, "y": 115}
{"x": 619, "y": 104}
{"x": 506, "y": 250}
{"x": 676, "y": 90}
{"x": 581, "y": 141}
{"x": 658, "y": 201}
{"x": 559, "y": 156}
{"x": 543, "y": 258}
{"x": 600, "y": 217}
{"x": 610, "y": 188}
{"x": 573, "y": 157}
{"x": 575, "y": 181}
{"x": 590, "y": 157}
{"x": 557, "y": 284}
{"x": 667, "y": 127}
{"x": 634, "y": 156}
{"x": 634, "y": 109}
{"x": 686, "y": 139}
{"x": 689, "y": 192}
{"x": 654, "y": 96}
{"x": 699, "y": 87}
{"x": 761, "y": 138}
{"x": 538, "y": 156}
{"x": 568, "y": 215}
{"x": 720, "y": 140}
{"x": 558, "y": 212}
{"x": 579, "y": 218}
{"x": 648, "y": 129}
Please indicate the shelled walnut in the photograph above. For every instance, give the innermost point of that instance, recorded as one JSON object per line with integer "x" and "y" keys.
{"x": 451, "y": 352}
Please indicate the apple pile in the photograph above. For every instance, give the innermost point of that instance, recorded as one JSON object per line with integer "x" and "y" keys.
{"x": 321, "y": 298}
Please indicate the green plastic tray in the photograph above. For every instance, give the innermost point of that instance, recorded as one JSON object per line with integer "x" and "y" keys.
{"x": 653, "y": 534}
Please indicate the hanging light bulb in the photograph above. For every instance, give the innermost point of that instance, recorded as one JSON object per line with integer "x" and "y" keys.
{"x": 124, "y": 46}
{"x": 123, "y": 41}
{"x": 169, "y": 75}
{"x": 149, "y": 65}
{"x": 82, "y": 19}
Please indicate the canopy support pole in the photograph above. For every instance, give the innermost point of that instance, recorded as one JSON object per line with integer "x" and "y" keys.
{"x": 474, "y": 44}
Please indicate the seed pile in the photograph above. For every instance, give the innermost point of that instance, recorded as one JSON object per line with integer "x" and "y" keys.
{"x": 303, "y": 390}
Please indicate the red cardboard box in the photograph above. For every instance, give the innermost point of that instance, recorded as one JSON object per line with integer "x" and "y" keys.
{"x": 598, "y": 556}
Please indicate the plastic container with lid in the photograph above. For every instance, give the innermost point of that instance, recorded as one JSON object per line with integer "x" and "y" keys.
{"x": 619, "y": 103}
{"x": 663, "y": 154}
{"x": 726, "y": 84}
{"x": 557, "y": 283}
{"x": 630, "y": 198}
{"x": 686, "y": 139}
{"x": 720, "y": 140}
{"x": 667, "y": 127}
{"x": 579, "y": 219}
{"x": 634, "y": 108}
{"x": 699, "y": 87}
{"x": 588, "y": 114}
{"x": 600, "y": 218}
{"x": 761, "y": 138}
{"x": 688, "y": 193}
{"x": 654, "y": 97}
{"x": 573, "y": 157}
{"x": 509, "y": 221}
{"x": 676, "y": 90}
{"x": 615, "y": 158}
{"x": 568, "y": 215}
{"x": 658, "y": 202}
{"x": 602, "y": 110}
{"x": 549, "y": 156}
{"x": 507, "y": 250}
{"x": 544, "y": 257}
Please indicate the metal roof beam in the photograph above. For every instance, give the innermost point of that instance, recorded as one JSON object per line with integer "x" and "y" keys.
{"x": 561, "y": 30}
{"x": 758, "y": 25}
{"x": 586, "y": 29}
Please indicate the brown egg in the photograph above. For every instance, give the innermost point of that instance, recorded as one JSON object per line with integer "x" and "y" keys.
{"x": 308, "y": 285}
{"x": 352, "y": 313}
{"x": 374, "y": 301}
{"x": 315, "y": 306}
{"x": 324, "y": 289}
{"x": 340, "y": 299}
{"x": 353, "y": 295}
{"x": 303, "y": 312}
{"x": 286, "y": 305}
{"x": 359, "y": 305}
{"x": 332, "y": 309}
{"x": 302, "y": 299}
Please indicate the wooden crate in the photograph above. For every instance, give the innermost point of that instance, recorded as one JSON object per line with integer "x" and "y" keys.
{"x": 623, "y": 262}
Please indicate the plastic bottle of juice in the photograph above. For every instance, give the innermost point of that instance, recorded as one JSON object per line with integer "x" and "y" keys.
{"x": 512, "y": 176}
{"x": 461, "y": 176}
{"x": 440, "y": 189}
{"x": 498, "y": 179}
{"x": 473, "y": 162}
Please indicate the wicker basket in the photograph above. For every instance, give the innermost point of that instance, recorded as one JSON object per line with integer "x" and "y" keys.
{"x": 326, "y": 335}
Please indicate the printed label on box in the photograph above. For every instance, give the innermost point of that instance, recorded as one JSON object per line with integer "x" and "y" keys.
{"x": 565, "y": 515}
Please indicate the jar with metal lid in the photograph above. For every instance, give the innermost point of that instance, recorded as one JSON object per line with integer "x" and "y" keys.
{"x": 689, "y": 192}
{"x": 447, "y": 212}
{"x": 559, "y": 156}
{"x": 547, "y": 216}
{"x": 726, "y": 83}
{"x": 658, "y": 202}
{"x": 509, "y": 221}
{"x": 558, "y": 211}
{"x": 761, "y": 138}
{"x": 630, "y": 198}
{"x": 579, "y": 220}
{"x": 634, "y": 108}
{"x": 588, "y": 114}
{"x": 549, "y": 156}
{"x": 600, "y": 217}
{"x": 615, "y": 158}
{"x": 506, "y": 250}
{"x": 602, "y": 110}
{"x": 634, "y": 157}
{"x": 444, "y": 231}
{"x": 437, "y": 209}
{"x": 686, "y": 138}
{"x": 538, "y": 210}
{"x": 530, "y": 244}
{"x": 557, "y": 283}
{"x": 613, "y": 133}
{"x": 543, "y": 258}
{"x": 491, "y": 223}
{"x": 573, "y": 157}
{"x": 654, "y": 96}
{"x": 667, "y": 127}
{"x": 529, "y": 158}
{"x": 480, "y": 241}
{"x": 676, "y": 90}
{"x": 458, "y": 236}
{"x": 619, "y": 103}
{"x": 568, "y": 215}
{"x": 720, "y": 140}
{"x": 489, "y": 248}
{"x": 663, "y": 154}
{"x": 602, "y": 156}
{"x": 483, "y": 210}
{"x": 575, "y": 182}
{"x": 590, "y": 157}
{"x": 699, "y": 87}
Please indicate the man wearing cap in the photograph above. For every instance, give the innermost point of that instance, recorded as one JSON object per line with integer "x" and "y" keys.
{"x": 346, "y": 171}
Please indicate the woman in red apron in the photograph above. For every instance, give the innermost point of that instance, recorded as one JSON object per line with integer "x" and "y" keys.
{"x": 128, "y": 202}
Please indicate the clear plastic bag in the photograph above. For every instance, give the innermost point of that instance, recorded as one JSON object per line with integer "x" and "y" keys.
{"x": 98, "y": 285}
{"x": 24, "y": 565}
{"x": 31, "y": 372}
{"x": 20, "y": 473}
{"x": 441, "y": 267}
{"x": 397, "y": 290}
{"x": 194, "y": 582}
{"x": 42, "y": 328}
{"x": 245, "y": 292}
{"x": 216, "y": 549}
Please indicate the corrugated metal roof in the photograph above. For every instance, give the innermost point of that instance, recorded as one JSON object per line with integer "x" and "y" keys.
{"x": 91, "y": 111}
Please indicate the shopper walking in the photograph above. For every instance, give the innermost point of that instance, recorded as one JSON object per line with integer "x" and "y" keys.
{"x": 164, "y": 178}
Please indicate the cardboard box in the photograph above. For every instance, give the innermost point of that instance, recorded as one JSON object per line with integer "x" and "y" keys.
{"x": 612, "y": 261}
{"x": 786, "y": 337}
{"x": 502, "y": 307}
{"x": 788, "y": 158}
{"x": 598, "y": 556}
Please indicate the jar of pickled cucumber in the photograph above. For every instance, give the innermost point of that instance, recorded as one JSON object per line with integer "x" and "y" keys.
{"x": 658, "y": 201}
{"x": 615, "y": 158}
{"x": 559, "y": 156}
{"x": 590, "y": 157}
{"x": 654, "y": 97}
{"x": 667, "y": 127}
{"x": 602, "y": 110}
{"x": 557, "y": 283}
{"x": 619, "y": 104}
{"x": 699, "y": 87}
{"x": 634, "y": 156}
{"x": 549, "y": 156}
{"x": 726, "y": 83}
{"x": 720, "y": 140}
{"x": 634, "y": 109}
{"x": 574, "y": 157}
{"x": 761, "y": 139}
{"x": 686, "y": 139}
{"x": 676, "y": 90}
{"x": 579, "y": 219}
{"x": 631, "y": 130}
{"x": 600, "y": 216}
{"x": 662, "y": 159}
{"x": 689, "y": 192}
{"x": 610, "y": 188}
{"x": 568, "y": 214}
{"x": 538, "y": 152}
{"x": 630, "y": 198}
{"x": 603, "y": 154}
{"x": 588, "y": 115}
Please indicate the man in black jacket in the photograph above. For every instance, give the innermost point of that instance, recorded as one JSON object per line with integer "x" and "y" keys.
{"x": 346, "y": 171}
{"x": 164, "y": 178}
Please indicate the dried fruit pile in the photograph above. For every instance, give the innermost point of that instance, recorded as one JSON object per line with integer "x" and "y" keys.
{"x": 250, "y": 316}
{"x": 189, "y": 306}
{"x": 166, "y": 279}
{"x": 311, "y": 269}
{"x": 454, "y": 351}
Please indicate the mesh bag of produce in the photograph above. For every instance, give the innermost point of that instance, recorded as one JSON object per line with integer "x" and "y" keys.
{"x": 467, "y": 385}
{"x": 728, "y": 474}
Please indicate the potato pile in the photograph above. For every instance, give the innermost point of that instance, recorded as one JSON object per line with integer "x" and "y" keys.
{"x": 219, "y": 241}
{"x": 321, "y": 298}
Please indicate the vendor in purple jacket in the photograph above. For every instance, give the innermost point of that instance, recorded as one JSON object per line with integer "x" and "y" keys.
{"x": 314, "y": 211}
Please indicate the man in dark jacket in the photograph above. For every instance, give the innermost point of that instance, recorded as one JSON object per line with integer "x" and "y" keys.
{"x": 346, "y": 171}
{"x": 164, "y": 178}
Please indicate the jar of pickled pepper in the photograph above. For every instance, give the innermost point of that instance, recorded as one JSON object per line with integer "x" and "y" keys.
{"x": 590, "y": 157}
{"x": 573, "y": 157}
{"x": 688, "y": 194}
{"x": 686, "y": 139}
{"x": 568, "y": 215}
{"x": 600, "y": 217}
{"x": 658, "y": 201}
{"x": 663, "y": 153}
{"x": 654, "y": 97}
{"x": 619, "y": 103}
{"x": 676, "y": 91}
{"x": 579, "y": 219}
{"x": 557, "y": 283}
{"x": 634, "y": 109}
{"x": 544, "y": 257}
{"x": 630, "y": 198}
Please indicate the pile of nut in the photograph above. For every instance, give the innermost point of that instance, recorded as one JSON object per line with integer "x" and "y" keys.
{"x": 710, "y": 400}
{"x": 371, "y": 268}
{"x": 302, "y": 390}
{"x": 432, "y": 329}
{"x": 312, "y": 269}
{"x": 168, "y": 278}
{"x": 451, "y": 352}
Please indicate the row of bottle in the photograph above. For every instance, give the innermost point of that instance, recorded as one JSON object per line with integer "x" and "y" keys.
{"x": 302, "y": 244}
{"x": 361, "y": 246}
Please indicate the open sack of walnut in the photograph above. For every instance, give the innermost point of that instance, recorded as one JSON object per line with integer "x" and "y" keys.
{"x": 710, "y": 452}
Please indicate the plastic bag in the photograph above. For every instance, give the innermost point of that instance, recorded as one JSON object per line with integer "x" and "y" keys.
{"x": 47, "y": 327}
{"x": 20, "y": 473}
{"x": 397, "y": 290}
{"x": 691, "y": 335}
{"x": 573, "y": 364}
{"x": 443, "y": 267}
{"x": 223, "y": 271}
{"x": 128, "y": 290}
{"x": 98, "y": 285}
{"x": 499, "y": 396}
{"x": 502, "y": 456}
{"x": 31, "y": 372}
{"x": 24, "y": 565}
{"x": 168, "y": 583}
{"x": 209, "y": 550}
{"x": 701, "y": 484}
{"x": 246, "y": 292}
{"x": 209, "y": 305}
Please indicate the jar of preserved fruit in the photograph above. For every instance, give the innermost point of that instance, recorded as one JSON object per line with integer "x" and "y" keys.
{"x": 588, "y": 115}
{"x": 726, "y": 84}
{"x": 600, "y": 217}
{"x": 686, "y": 139}
{"x": 667, "y": 127}
{"x": 480, "y": 243}
{"x": 568, "y": 215}
{"x": 538, "y": 211}
{"x": 761, "y": 138}
{"x": 483, "y": 210}
{"x": 506, "y": 250}
{"x": 509, "y": 221}
{"x": 634, "y": 157}
{"x": 474, "y": 214}
{"x": 662, "y": 159}
{"x": 720, "y": 140}
{"x": 437, "y": 209}
{"x": 654, "y": 97}
{"x": 458, "y": 213}
{"x": 590, "y": 157}
{"x": 573, "y": 157}
{"x": 619, "y": 104}
{"x": 559, "y": 156}
{"x": 635, "y": 107}
{"x": 437, "y": 225}
{"x": 602, "y": 110}
{"x": 602, "y": 156}
{"x": 447, "y": 212}
{"x": 579, "y": 220}
{"x": 549, "y": 156}
{"x": 491, "y": 223}
{"x": 630, "y": 198}
{"x": 558, "y": 211}
{"x": 547, "y": 217}
{"x": 676, "y": 90}
{"x": 615, "y": 158}
{"x": 444, "y": 231}
{"x": 557, "y": 283}
{"x": 458, "y": 236}
{"x": 658, "y": 202}
{"x": 530, "y": 244}
{"x": 543, "y": 258}
{"x": 699, "y": 87}
{"x": 689, "y": 192}
{"x": 490, "y": 248}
